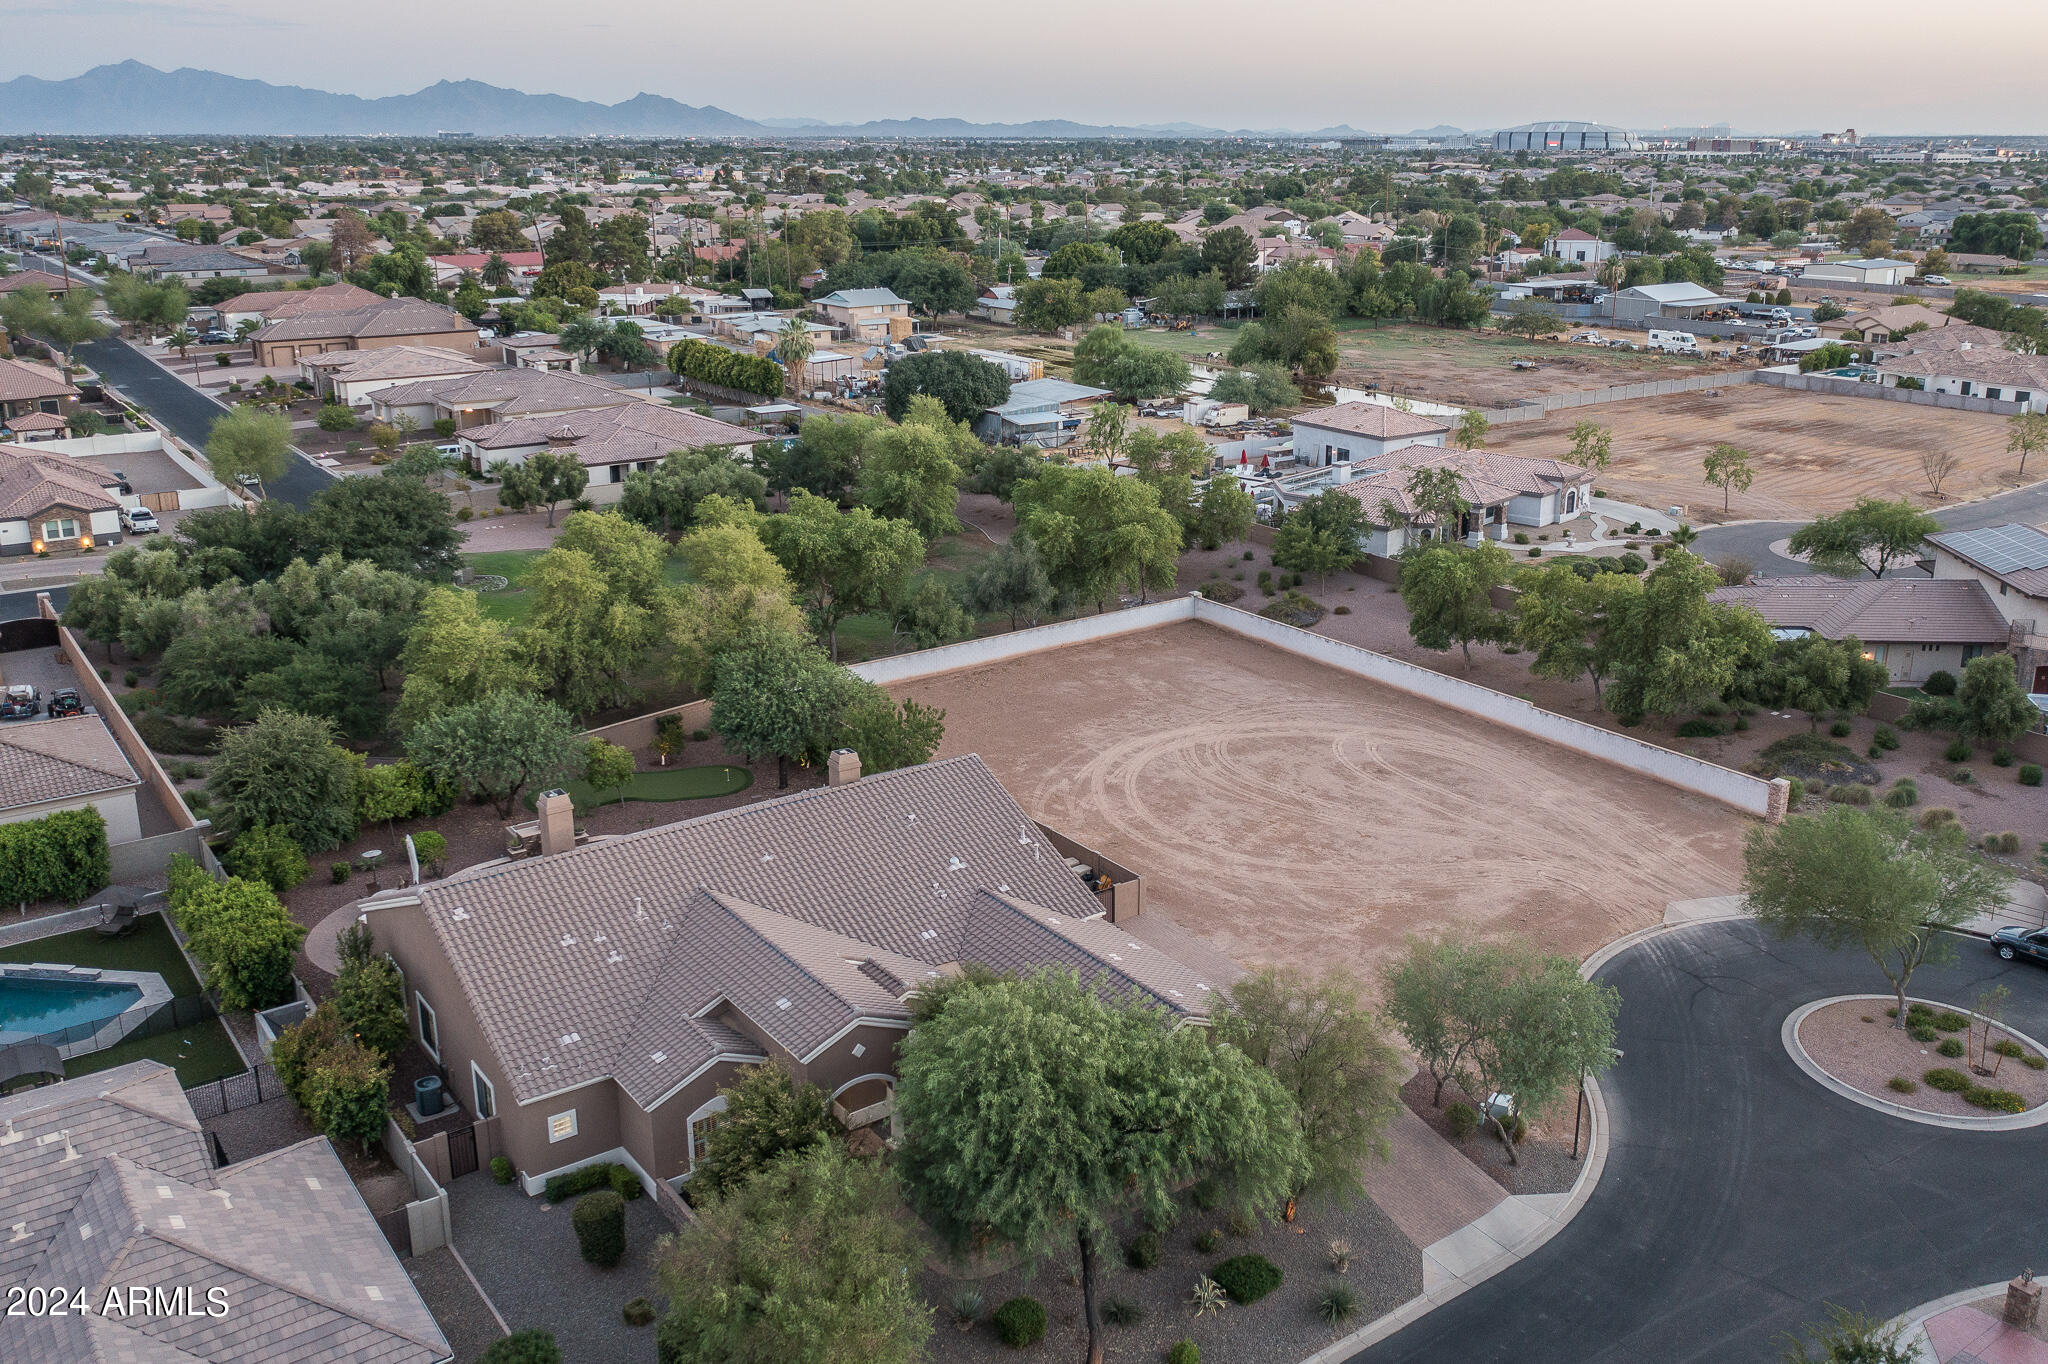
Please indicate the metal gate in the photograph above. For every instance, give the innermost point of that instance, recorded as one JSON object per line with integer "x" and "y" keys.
{"x": 31, "y": 632}
{"x": 397, "y": 1228}
{"x": 461, "y": 1152}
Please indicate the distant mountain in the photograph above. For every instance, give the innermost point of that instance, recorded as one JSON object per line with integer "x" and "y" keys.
{"x": 130, "y": 97}
{"x": 133, "y": 98}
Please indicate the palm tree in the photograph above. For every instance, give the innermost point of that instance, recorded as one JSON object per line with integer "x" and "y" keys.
{"x": 793, "y": 343}
{"x": 181, "y": 340}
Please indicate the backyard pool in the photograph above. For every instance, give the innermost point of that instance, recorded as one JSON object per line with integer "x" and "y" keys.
{"x": 38, "y": 1008}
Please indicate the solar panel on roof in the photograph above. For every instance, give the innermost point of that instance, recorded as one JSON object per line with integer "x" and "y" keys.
{"x": 2003, "y": 549}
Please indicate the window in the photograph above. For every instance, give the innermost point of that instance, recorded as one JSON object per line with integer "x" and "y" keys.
{"x": 562, "y": 1126}
{"x": 617, "y": 474}
{"x": 1930, "y": 648}
{"x": 702, "y": 1123}
{"x": 1994, "y": 393}
{"x": 486, "y": 1097}
{"x": 2021, "y": 395}
{"x": 430, "y": 1026}
{"x": 64, "y": 528}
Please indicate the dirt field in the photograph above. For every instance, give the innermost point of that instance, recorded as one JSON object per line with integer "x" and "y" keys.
{"x": 1475, "y": 369}
{"x": 1281, "y": 811}
{"x": 1813, "y": 453}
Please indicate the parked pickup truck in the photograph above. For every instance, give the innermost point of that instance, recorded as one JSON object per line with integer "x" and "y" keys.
{"x": 139, "y": 521}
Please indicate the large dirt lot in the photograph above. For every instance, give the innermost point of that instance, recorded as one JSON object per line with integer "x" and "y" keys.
{"x": 1282, "y": 811}
{"x": 1812, "y": 452}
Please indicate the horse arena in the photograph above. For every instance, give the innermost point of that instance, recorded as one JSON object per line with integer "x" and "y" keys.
{"x": 1282, "y": 811}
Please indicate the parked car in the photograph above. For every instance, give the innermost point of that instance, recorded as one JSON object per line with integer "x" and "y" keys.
{"x": 19, "y": 702}
{"x": 139, "y": 521}
{"x": 1939, "y": 281}
{"x": 451, "y": 449}
{"x": 2014, "y": 941}
{"x": 216, "y": 337}
{"x": 65, "y": 701}
{"x": 121, "y": 484}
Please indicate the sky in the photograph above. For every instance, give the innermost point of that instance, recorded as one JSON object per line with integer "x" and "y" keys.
{"x": 1880, "y": 66}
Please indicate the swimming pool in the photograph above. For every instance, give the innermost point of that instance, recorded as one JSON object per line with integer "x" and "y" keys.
{"x": 39, "y": 1008}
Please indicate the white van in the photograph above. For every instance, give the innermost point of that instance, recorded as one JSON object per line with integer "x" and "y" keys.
{"x": 1675, "y": 343}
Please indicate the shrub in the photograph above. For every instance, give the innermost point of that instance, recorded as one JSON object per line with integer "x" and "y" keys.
{"x": 166, "y": 735}
{"x": 1240, "y": 1223}
{"x": 1345, "y": 611}
{"x": 1521, "y": 537}
{"x": 1948, "y": 1020}
{"x": 501, "y": 1169}
{"x": 1020, "y": 1322}
{"x": 1463, "y": 1120}
{"x": 1795, "y": 791}
{"x": 966, "y": 1305}
{"x": 1122, "y": 1311}
{"x": 2030, "y": 774}
{"x": 1143, "y": 1251}
{"x": 1938, "y": 817}
{"x": 1223, "y": 592}
{"x": 336, "y": 417}
{"x": 600, "y": 1222}
{"x": 1849, "y": 793}
{"x": 580, "y": 1181}
{"x": 1208, "y": 1296}
{"x": 1247, "y": 1278}
{"x": 531, "y": 1346}
{"x": 1840, "y": 729}
{"x": 62, "y": 856}
{"x": 624, "y": 1182}
{"x": 430, "y": 846}
{"x": 1901, "y": 1085}
{"x": 1921, "y": 1031}
{"x": 1950, "y": 1047}
{"x": 1336, "y": 1304}
{"x": 1699, "y": 729}
{"x": 129, "y": 679}
{"x": 1958, "y": 751}
{"x": 2008, "y": 1048}
{"x": 1903, "y": 794}
{"x": 464, "y": 513}
{"x": 1208, "y": 1241}
{"x": 2007, "y": 842}
{"x": 244, "y": 939}
{"x": 2002, "y": 758}
{"x": 1939, "y": 683}
{"x": 268, "y": 854}
{"x": 1184, "y": 1352}
{"x": 339, "y": 871}
{"x": 637, "y": 1312}
{"x": 1885, "y": 738}
{"x": 1207, "y": 1195}
{"x": 1998, "y": 1100}
{"x": 1340, "y": 1256}
{"x": 1946, "y": 1080}
{"x": 1535, "y": 551}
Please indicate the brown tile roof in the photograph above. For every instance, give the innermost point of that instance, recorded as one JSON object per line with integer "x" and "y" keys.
{"x": 278, "y": 304}
{"x": 1371, "y": 419}
{"x": 1983, "y": 365}
{"x": 21, "y": 382}
{"x": 31, "y": 483}
{"x": 1882, "y": 611}
{"x": 1485, "y": 479}
{"x": 67, "y": 758}
{"x": 395, "y": 362}
{"x": 130, "y": 1196}
{"x": 631, "y": 432}
{"x": 509, "y": 393}
{"x": 388, "y": 317}
{"x": 35, "y": 421}
{"x": 23, "y": 279}
{"x": 801, "y": 914}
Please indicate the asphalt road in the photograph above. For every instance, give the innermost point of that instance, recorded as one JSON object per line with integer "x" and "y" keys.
{"x": 22, "y": 605}
{"x": 1752, "y": 540}
{"x": 1740, "y": 1198}
{"x": 188, "y": 412}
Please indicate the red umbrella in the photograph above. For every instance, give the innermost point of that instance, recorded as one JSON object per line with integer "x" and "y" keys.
{"x": 1265, "y": 463}
{"x": 1243, "y": 458}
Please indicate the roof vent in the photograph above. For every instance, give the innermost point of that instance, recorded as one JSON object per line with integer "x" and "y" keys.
{"x": 376, "y": 1293}
{"x": 657, "y": 1057}
{"x": 570, "y": 1039}
{"x": 177, "y": 1222}
{"x": 955, "y": 864}
{"x": 782, "y": 1004}
{"x": 312, "y": 1183}
{"x": 568, "y": 940}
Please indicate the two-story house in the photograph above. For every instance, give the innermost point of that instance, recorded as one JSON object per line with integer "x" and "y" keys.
{"x": 865, "y": 316}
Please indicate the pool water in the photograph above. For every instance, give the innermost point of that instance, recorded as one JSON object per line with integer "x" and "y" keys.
{"x": 39, "y": 1007}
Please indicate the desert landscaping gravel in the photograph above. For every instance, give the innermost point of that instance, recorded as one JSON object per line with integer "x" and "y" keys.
{"x": 1855, "y": 1042}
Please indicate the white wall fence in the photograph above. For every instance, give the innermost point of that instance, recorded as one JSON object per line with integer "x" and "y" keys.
{"x": 1538, "y": 408}
{"x": 427, "y": 1217}
{"x": 1856, "y": 388}
{"x": 1751, "y": 795}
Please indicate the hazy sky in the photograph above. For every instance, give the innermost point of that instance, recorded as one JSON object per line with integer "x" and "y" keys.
{"x": 1877, "y": 65}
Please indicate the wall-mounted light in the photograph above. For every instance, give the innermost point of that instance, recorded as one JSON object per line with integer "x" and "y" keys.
{"x": 36, "y": 545}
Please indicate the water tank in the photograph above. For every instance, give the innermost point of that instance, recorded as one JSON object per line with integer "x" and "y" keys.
{"x": 426, "y": 1095}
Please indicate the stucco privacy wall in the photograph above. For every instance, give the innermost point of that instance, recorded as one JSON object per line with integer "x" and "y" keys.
{"x": 1751, "y": 795}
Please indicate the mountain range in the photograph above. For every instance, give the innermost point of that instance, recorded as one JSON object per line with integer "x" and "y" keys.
{"x": 131, "y": 97}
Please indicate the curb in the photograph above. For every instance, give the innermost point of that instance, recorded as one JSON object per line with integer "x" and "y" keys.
{"x": 1788, "y": 1033}
{"x": 1518, "y": 1208}
{"x": 1912, "y": 1323}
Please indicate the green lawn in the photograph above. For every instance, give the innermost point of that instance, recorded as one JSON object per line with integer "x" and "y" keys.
{"x": 199, "y": 1053}
{"x": 149, "y": 948}
{"x": 661, "y": 784}
{"x": 515, "y": 603}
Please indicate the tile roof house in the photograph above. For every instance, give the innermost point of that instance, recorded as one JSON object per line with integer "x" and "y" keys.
{"x": 1501, "y": 490}
{"x": 49, "y": 502}
{"x": 865, "y": 315}
{"x": 592, "y": 1001}
{"x": 54, "y": 285}
{"x": 26, "y": 387}
{"x": 1882, "y": 324}
{"x": 609, "y": 441}
{"x": 2011, "y": 564}
{"x": 1360, "y": 432}
{"x": 111, "y": 1189}
{"x": 349, "y": 377}
{"x": 387, "y": 322}
{"x": 67, "y": 763}
{"x": 1914, "y": 626}
{"x": 179, "y": 260}
{"x": 522, "y": 267}
{"x": 1972, "y": 371}
{"x": 486, "y": 396}
{"x": 274, "y": 305}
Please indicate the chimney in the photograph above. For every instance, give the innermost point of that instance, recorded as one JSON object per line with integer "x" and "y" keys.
{"x": 842, "y": 768}
{"x": 557, "y": 822}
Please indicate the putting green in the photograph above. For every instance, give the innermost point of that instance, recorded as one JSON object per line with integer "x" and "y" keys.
{"x": 662, "y": 783}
